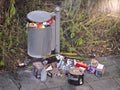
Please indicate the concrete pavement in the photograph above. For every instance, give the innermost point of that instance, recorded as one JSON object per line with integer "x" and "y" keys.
{"x": 25, "y": 80}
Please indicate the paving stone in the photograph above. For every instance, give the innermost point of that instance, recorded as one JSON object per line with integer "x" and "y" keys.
{"x": 68, "y": 86}
{"x": 55, "y": 88}
{"x": 111, "y": 72}
{"x": 117, "y": 80}
{"x": 29, "y": 82}
{"x": 55, "y": 82}
{"x": 90, "y": 77}
{"x": 116, "y": 60}
{"x": 6, "y": 83}
{"x": 105, "y": 85}
{"x": 85, "y": 86}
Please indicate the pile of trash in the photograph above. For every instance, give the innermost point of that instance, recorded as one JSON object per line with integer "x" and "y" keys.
{"x": 60, "y": 66}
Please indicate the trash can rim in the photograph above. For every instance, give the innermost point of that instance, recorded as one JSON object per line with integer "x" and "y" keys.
{"x": 38, "y": 16}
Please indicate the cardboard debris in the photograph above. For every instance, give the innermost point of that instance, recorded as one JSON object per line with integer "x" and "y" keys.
{"x": 100, "y": 70}
{"x": 94, "y": 63}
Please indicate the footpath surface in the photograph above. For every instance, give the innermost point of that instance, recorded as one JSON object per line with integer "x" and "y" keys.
{"x": 26, "y": 81}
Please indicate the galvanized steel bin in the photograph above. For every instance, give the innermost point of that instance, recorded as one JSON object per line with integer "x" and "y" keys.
{"x": 39, "y": 37}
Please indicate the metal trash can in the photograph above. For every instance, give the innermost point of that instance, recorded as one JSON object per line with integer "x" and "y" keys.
{"x": 39, "y": 33}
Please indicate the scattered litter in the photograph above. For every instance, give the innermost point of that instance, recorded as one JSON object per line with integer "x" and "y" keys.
{"x": 49, "y": 74}
{"x": 76, "y": 76}
{"x": 60, "y": 64}
{"x": 37, "y": 68}
{"x": 59, "y": 57}
{"x": 51, "y": 59}
{"x": 44, "y": 72}
{"x": 70, "y": 62}
{"x": 49, "y": 68}
{"x": 23, "y": 64}
{"x": 96, "y": 68}
{"x": 100, "y": 70}
{"x": 91, "y": 69}
{"x": 43, "y": 75}
{"x": 81, "y": 64}
{"x": 60, "y": 67}
{"x": 94, "y": 63}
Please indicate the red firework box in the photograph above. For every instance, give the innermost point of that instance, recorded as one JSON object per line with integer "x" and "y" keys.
{"x": 81, "y": 64}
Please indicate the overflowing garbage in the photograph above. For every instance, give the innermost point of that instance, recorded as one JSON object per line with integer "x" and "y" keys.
{"x": 60, "y": 66}
{"x": 40, "y": 25}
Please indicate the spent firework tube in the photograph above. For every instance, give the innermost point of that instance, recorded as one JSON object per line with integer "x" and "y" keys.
{"x": 81, "y": 65}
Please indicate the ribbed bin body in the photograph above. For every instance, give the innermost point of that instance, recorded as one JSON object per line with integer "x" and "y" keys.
{"x": 39, "y": 42}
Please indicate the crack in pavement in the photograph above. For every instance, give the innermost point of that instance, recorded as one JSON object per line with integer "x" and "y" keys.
{"x": 15, "y": 80}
